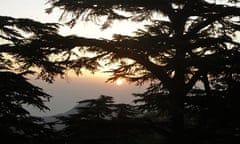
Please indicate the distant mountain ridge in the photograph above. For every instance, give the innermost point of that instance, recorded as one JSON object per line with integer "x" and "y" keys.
{"x": 53, "y": 119}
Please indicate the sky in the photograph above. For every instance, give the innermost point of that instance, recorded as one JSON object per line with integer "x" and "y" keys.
{"x": 35, "y": 9}
{"x": 67, "y": 92}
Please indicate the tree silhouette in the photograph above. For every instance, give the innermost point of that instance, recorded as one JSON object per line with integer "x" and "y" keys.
{"x": 125, "y": 111}
{"x": 100, "y": 121}
{"x": 25, "y": 49}
{"x": 154, "y": 99}
{"x": 92, "y": 117}
{"x": 96, "y": 108}
{"x": 191, "y": 41}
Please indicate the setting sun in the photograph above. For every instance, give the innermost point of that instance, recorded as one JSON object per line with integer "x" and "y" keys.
{"x": 119, "y": 82}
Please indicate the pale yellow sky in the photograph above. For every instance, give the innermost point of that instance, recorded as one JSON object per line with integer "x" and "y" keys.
{"x": 66, "y": 92}
{"x": 35, "y": 9}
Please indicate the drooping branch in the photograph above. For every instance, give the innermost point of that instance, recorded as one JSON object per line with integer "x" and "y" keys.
{"x": 121, "y": 49}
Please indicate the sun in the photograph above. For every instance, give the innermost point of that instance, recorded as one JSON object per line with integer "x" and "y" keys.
{"x": 119, "y": 82}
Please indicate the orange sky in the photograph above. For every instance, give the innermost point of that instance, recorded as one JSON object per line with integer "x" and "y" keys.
{"x": 72, "y": 89}
{"x": 66, "y": 92}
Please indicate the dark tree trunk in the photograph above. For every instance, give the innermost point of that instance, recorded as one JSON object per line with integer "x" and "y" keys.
{"x": 177, "y": 99}
{"x": 177, "y": 91}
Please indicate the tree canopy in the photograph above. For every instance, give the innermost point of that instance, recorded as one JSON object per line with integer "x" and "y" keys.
{"x": 191, "y": 43}
{"x": 25, "y": 49}
{"x": 189, "y": 50}
{"x": 102, "y": 121}
{"x": 206, "y": 30}
{"x": 19, "y": 54}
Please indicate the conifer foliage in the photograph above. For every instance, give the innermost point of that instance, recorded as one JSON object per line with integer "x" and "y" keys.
{"x": 24, "y": 52}
{"x": 101, "y": 121}
{"x": 190, "y": 52}
{"x": 191, "y": 43}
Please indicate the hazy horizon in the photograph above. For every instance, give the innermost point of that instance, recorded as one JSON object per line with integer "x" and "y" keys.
{"x": 66, "y": 92}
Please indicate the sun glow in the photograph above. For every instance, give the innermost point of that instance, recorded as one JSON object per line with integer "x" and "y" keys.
{"x": 119, "y": 82}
